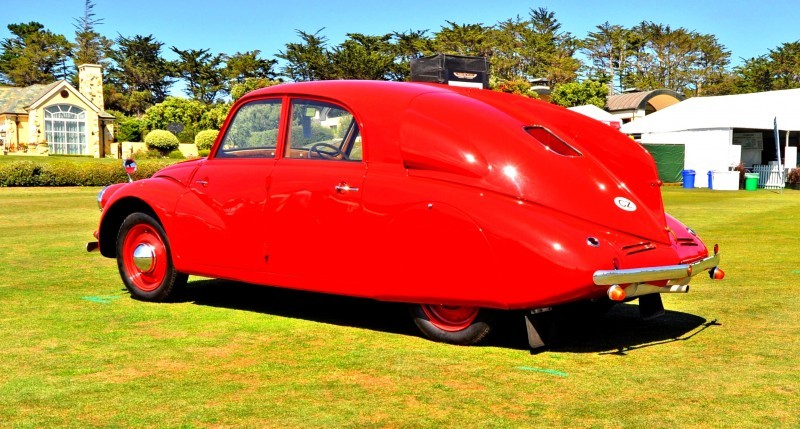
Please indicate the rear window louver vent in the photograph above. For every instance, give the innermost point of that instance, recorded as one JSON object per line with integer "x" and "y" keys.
{"x": 687, "y": 242}
{"x": 551, "y": 142}
{"x": 633, "y": 249}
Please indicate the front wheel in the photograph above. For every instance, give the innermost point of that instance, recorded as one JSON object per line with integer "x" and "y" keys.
{"x": 144, "y": 260}
{"x": 460, "y": 325}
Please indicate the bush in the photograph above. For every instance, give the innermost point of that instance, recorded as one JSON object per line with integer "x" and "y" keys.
{"x": 317, "y": 134}
{"x": 130, "y": 130}
{"x": 148, "y": 154}
{"x": 793, "y": 178}
{"x": 187, "y": 135}
{"x": 162, "y": 140}
{"x": 176, "y": 154}
{"x": 65, "y": 173}
{"x": 205, "y": 139}
{"x": 203, "y": 152}
{"x": 127, "y": 128}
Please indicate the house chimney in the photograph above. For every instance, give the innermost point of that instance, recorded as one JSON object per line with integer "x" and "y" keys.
{"x": 90, "y": 83}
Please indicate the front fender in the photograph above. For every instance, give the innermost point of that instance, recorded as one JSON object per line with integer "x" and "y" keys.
{"x": 156, "y": 197}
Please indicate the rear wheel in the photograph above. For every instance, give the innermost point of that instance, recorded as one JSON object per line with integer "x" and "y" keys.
{"x": 144, "y": 260}
{"x": 460, "y": 325}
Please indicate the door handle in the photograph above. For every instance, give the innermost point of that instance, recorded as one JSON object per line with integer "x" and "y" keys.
{"x": 344, "y": 187}
{"x": 202, "y": 183}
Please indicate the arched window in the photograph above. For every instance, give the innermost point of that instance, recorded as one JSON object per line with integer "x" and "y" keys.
{"x": 65, "y": 129}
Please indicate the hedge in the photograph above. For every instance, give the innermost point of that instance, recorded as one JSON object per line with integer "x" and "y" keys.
{"x": 30, "y": 173}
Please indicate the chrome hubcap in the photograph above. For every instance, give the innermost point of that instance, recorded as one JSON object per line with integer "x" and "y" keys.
{"x": 144, "y": 257}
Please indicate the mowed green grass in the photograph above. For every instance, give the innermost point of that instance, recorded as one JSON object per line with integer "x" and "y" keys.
{"x": 77, "y": 351}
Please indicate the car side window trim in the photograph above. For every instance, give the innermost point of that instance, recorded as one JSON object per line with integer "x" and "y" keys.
{"x": 321, "y": 130}
{"x": 254, "y": 131}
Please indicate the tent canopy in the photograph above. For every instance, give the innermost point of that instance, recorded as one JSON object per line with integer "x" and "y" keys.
{"x": 754, "y": 111}
{"x": 597, "y": 113}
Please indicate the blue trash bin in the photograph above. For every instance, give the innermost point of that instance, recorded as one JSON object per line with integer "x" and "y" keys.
{"x": 710, "y": 179}
{"x": 688, "y": 179}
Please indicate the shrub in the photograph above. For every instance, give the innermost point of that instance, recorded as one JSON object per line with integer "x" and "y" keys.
{"x": 317, "y": 134}
{"x": 176, "y": 154}
{"x": 205, "y": 139}
{"x": 793, "y": 178}
{"x": 741, "y": 168}
{"x": 147, "y": 154}
{"x": 187, "y": 135}
{"x": 203, "y": 152}
{"x": 130, "y": 130}
{"x": 162, "y": 140}
{"x": 65, "y": 173}
{"x": 19, "y": 173}
{"x": 127, "y": 128}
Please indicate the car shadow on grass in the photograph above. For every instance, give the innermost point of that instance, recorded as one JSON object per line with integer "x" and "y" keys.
{"x": 318, "y": 307}
{"x": 568, "y": 329}
{"x": 619, "y": 332}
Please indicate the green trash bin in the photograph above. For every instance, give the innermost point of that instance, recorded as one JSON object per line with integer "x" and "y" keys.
{"x": 750, "y": 181}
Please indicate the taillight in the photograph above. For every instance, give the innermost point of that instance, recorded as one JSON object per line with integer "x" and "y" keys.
{"x": 616, "y": 293}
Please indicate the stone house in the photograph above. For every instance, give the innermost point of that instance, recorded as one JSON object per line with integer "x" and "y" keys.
{"x": 57, "y": 119}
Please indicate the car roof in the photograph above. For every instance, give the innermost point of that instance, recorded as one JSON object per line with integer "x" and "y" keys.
{"x": 367, "y": 98}
{"x": 382, "y": 109}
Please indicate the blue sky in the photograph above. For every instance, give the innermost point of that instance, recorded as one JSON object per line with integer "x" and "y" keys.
{"x": 746, "y": 28}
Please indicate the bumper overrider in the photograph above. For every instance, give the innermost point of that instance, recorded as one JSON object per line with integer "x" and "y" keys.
{"x": 634, "y": 282}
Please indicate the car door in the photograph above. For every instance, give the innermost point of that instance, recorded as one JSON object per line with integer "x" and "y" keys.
{"x": 221, "y": 215}
{"x": 314, "y": 208}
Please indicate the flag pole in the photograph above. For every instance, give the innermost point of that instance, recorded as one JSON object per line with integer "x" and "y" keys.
{"x": 778, "y": 151}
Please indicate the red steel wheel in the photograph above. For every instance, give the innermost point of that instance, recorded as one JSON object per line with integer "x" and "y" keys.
{"x": 452, "y": 324}
{"x": 144, "y": 259}
{"x": 450, "y": 318}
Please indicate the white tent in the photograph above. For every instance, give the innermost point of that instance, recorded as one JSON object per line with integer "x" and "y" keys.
{"x": 705, "y": 125}
{"x": 597, "y": 113}
{"x": 755, "y": 111}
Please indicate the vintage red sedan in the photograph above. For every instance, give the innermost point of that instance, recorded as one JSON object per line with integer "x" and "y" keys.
{"x": 454, "y": 200}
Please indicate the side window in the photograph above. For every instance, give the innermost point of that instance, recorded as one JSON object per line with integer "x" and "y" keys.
{"x": 253, "y": 132}
{"x": 322, "y": 130}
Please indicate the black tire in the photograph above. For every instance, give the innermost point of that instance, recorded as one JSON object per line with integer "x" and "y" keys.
{"x": 461, "y": 326}
{"x": 150, "y": 276}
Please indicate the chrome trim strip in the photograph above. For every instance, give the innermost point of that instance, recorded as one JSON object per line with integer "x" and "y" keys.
{"x": 651, "y": 274}
{"x": 637, "y": 290}
{"x": 100, "y": 198}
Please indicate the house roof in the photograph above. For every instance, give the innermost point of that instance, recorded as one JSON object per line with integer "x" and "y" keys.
{"x": 14, "y": 100}
{"x": 752, "y": 111}
{"x": 658, "y": 98}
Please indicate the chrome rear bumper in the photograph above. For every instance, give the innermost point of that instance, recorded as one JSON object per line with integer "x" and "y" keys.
{"x": 674, "y": 274}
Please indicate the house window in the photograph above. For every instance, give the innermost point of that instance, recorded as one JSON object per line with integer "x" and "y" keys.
{"x": 65, "y": 129}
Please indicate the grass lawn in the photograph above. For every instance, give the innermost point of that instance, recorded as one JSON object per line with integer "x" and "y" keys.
{"x": 76, "y": 351}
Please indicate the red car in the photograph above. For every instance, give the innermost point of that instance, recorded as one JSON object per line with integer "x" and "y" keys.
{"x": 454, "y": 200}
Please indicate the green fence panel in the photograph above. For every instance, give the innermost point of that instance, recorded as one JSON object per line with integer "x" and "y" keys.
{"x": 669, "y": 160}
